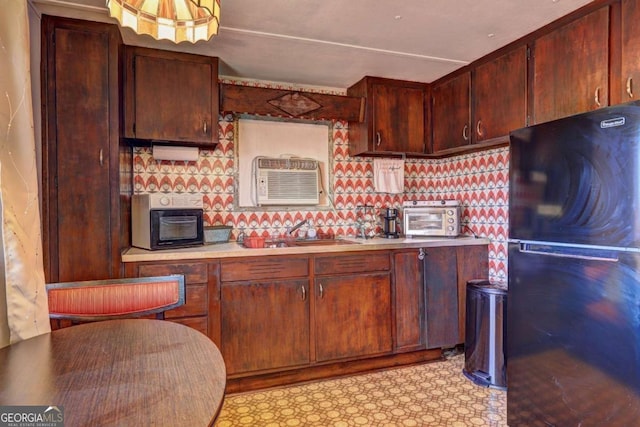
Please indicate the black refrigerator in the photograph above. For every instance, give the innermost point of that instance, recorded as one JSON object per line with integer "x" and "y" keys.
{"x": 573, "y": 318}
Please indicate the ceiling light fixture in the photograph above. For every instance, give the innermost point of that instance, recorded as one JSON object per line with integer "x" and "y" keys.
{"x": 175, "y": 20}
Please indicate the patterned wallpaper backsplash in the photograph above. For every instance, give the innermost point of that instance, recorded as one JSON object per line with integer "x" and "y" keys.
{"x": 478, "y": 180}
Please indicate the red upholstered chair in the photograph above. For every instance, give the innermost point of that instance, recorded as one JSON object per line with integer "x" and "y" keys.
{"x": 95, "y": 300}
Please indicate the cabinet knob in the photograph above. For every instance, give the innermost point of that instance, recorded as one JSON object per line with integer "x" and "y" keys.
{"x": 304, "y": 293}
{"x": 320, "y": 291}
{"x": 465, "y": 132}
{"x": 630, "y": 87}
{"x": 596, "y": 96}
{"x": 101, "y": 157}
{"x": 378, "y": 139}
{"x": 204, "y": 127}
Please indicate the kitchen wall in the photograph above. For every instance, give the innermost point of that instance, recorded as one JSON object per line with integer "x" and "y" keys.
{"x": 478, "y": 180}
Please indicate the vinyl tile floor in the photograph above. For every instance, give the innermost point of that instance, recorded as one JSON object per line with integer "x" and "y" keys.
{"x": 431, "y": 394}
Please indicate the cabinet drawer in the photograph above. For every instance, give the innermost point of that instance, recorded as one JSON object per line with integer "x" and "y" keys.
{"x": 347, "y": 264}
{"x": 276, "y": 268}
{"x": 193, "y": 272}
{"x": 195, "y": 305}
{"x": 197, "y": 323}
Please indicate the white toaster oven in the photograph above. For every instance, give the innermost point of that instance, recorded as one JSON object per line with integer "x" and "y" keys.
{"x": 431, "y": 218}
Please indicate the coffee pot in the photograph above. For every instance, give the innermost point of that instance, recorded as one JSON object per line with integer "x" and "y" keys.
{"x": 390, "y": 223}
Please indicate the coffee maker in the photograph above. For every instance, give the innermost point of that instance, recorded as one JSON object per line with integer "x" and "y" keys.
{"x": 390, "y": 223}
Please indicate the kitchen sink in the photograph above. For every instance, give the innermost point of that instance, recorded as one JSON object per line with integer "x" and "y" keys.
{"x": 321, "y": 242}
{"x": 292, "y": 243}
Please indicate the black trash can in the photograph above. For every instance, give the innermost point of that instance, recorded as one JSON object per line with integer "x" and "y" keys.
{"x": 485, "y": 328}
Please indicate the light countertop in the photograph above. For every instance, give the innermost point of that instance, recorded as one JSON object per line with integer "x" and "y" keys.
{"x": 233, "y": 249}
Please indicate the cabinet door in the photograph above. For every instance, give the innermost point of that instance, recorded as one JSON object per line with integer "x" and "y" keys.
{"x": 409, "y": 300}
{"x": 352, "y": 316}
{"x": 630, "y": 50}
{"x": 399, "y": 119}
{"x": 440, "y": 269}
{"x": 499, "y": 95}
{"x": 451, "y": 113}
{"x": 395, "y": 117}
{"x": 265, "y": 325}
{"x": 172, "y": 97}
{"x": 570, "y": 72}
{"x": 80, "y": 179}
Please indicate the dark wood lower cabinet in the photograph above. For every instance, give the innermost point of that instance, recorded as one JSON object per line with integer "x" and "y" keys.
{"x": 267, "y": 303}
{"x": 201, "y": 310}
{"x": 409, "y": 300}
{"x": 265, "y": 314}
{"x": 430, "y": 294}
{"x": 441, "y": 297}
{"x": 285, "y": 319}
{"x": 352, "y": 305}
{"x": 352, "y": 316}
{"x": 265, "y": 325}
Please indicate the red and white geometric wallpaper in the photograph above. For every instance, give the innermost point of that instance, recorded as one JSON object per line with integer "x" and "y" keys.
{"x": 478, "y": 180}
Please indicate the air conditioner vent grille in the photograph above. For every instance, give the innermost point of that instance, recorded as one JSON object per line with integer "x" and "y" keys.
{"x": 287, "y": 181}
{"x": 292, "y": 185}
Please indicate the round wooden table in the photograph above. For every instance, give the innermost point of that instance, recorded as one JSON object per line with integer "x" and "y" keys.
{"x": 134, "y": 372}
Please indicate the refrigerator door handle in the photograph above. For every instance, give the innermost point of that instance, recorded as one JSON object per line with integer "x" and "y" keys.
{"x": 591, "y": 254}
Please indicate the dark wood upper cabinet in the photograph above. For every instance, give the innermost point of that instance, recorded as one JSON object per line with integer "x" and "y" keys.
{"x": 395, "y": 117}
{"x": 483, "y": 103}
{"x": 499, "y": 90}
{"x": 82, "y": 228}
{"x": 451, "y": 112}
{"x": 571, "y": 68}
{"x": 630, "y": 33}
{"x": 171, "y": 96}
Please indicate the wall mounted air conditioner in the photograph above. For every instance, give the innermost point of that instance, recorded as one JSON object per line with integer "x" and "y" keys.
{"x": 286, "y": 181}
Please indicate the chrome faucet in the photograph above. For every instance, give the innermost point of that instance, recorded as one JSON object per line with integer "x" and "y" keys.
{"x": 295, "y": 227}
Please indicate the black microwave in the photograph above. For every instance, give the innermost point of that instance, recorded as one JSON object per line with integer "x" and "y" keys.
{"x": 163, "y": 221}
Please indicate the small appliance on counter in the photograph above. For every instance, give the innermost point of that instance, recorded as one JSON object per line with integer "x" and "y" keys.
{"x": 162, "y": 221}
{"x": 390, "y": 223}
{"x": 431, "y": 218}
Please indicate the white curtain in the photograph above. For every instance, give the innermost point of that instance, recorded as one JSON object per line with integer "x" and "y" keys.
{"x": 23, "y": 300}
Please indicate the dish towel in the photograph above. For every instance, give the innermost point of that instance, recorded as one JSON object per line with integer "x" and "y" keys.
{"x": 388, "y": 175}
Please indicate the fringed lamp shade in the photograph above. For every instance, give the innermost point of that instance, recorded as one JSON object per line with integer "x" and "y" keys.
{"x": 175, "y": 20}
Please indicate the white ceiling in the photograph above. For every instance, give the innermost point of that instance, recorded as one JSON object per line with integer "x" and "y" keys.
{"x": 334, "y": 43}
